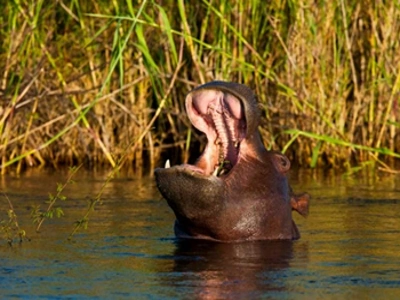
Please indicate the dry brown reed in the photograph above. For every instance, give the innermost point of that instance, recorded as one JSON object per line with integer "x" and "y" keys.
{"x": 81, "y": 81}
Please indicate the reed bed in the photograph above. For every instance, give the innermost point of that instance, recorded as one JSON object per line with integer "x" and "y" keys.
{"x": 103, "y": 82}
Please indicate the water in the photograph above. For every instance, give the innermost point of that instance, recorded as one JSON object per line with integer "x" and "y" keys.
{"x": 349, "y": 247}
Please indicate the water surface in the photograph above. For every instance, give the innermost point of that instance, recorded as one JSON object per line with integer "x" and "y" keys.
{"x": 349, "y": 246}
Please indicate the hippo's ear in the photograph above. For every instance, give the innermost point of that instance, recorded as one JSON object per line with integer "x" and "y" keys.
{"x": 281, "y": 162}
{"x": 300, "y": 203}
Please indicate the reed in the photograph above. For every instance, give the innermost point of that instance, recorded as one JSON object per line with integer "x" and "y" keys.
{"x": 103, "y": 82}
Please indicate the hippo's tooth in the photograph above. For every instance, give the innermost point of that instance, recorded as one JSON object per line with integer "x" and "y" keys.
{"x": 215, "y": 173}
{"x": 236, "y": 144}
{"x": 167, "y": 164}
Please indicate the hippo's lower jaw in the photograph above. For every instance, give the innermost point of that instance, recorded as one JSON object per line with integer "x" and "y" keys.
{"x": 239, "y": 205}
{"x": 236, "y": 190}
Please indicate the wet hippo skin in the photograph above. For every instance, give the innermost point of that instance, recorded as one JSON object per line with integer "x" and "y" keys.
{"x": 237, "y": 190}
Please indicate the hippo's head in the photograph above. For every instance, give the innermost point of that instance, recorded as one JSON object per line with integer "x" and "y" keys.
{"x": 236, "y": 190}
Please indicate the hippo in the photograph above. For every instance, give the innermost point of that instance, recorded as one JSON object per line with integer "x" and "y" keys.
{"x": 237, "y": 190}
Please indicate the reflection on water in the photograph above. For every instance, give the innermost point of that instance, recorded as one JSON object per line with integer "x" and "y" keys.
{"x": 349, "y": 247}
{"x": 240, "y": 270}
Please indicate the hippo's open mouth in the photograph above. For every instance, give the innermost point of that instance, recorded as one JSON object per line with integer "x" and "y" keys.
{"x": 221, "y": 117}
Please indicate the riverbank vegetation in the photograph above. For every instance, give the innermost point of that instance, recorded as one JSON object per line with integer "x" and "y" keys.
{"x": 103, "y": 82}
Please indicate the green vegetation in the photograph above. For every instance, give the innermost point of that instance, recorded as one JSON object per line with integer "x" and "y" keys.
{"x": 83, "y": 222}
{"x": 11, "y": 230}
{"x": 9, "y": 227}
{"x": 39, "y": 216}
{"x": 103, "y": 82}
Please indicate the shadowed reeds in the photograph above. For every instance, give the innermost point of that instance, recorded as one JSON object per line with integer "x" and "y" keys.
{"x": 103, "y": 83}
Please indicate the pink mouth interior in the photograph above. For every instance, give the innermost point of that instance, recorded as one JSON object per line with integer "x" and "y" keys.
{"x": 221, "y": 117}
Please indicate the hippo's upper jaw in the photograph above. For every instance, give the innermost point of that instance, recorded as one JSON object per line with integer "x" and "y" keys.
{"x": 236, "y": 190}
{"x": 221, "y": 110}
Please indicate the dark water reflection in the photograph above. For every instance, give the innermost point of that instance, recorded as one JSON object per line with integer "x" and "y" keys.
{"x": 349, "y": 247}
{"x": 241, "y": 271}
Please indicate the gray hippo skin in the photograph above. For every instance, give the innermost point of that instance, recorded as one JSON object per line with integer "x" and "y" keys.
{"x": 236, "y": 190}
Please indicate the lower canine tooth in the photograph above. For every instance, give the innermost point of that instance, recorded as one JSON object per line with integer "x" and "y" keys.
{"x": 215, "y": 173}
{"x": 167, "y": 164}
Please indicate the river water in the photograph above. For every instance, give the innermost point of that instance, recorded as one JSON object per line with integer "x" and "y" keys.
{"x": 349, "y": 249}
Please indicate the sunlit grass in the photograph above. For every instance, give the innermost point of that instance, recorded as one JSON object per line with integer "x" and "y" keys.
{"x": 104, "y": 82}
